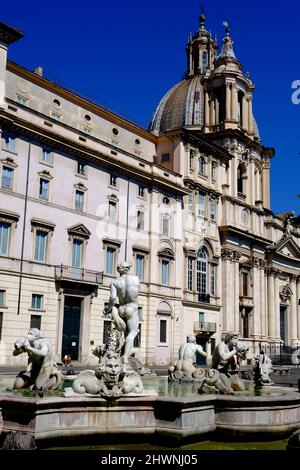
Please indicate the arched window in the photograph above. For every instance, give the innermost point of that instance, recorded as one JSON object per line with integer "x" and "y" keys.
{"x": 240, "y": 107}
{"x": 204, "y": 62}
{"x": 241, "y": 178}
{"x": 202, "y": 272}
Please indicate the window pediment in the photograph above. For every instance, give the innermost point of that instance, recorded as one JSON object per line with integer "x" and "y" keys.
{"x": 111, "y": 243}
{"x": 79, "y": 231}
{"x": 8, "y": 217}
{"x": 45, "y": 174}
{"x": 43, "y": 225}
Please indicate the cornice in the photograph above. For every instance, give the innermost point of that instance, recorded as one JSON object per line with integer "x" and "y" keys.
{"x": 46, "y": 136}
{"x": 236, "y": 200}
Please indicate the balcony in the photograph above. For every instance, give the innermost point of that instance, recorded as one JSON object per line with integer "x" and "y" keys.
{"x": 68, "y": 273}
{"x": 205, "y": 327}
{"x": 204, "y": 298}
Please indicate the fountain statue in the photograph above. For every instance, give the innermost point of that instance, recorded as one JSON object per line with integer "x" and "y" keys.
{"x": 114, "y": 376}
{"x": 42, "y": 372}
{"x": 223, "y": 375}
{"x": 262, "y": 368}
{"x": 185, "y": 370}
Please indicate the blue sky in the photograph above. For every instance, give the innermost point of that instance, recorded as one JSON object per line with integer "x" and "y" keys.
{"x": 127, "y": 54}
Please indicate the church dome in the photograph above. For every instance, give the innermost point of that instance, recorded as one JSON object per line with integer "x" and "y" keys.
{"x": 181, "y": 106}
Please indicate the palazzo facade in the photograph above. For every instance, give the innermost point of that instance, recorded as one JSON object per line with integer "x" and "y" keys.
{"x": 187, "y": 202}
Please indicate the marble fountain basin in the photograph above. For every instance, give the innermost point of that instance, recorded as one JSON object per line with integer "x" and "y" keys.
{"x": 175, "y": 412}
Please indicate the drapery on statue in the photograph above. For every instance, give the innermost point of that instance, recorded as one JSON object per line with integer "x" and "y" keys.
{"x": 42, "y": 372}
{"x": 185, "y": 369}
{"x": 123, "y": 308}
{"x": 262, "y": 368}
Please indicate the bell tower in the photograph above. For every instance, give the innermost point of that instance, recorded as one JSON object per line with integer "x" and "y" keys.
{"x": 229, "y": 93}
{"x": 201, "y": 50}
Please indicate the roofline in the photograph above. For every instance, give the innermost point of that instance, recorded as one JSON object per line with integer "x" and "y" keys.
{"x": 9, "y": 35}
{"x": 80, "y": 101}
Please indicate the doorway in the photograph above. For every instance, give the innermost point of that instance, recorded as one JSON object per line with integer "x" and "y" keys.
{"x": 71, "y": 327}
{"x": 283, "y": 329}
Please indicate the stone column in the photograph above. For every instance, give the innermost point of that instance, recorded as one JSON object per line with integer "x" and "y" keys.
{"x": 271, "y": 306}
{"x": 277, "y": 306}
{"x": 257, "y": 293}
{"x": 293, "y": 309}
{"x": 236, "y": 293}
{"x": 250, "y": 115}
{"x": 251, "y": 183}
{"x": 227, "y": 290}
{"x": 212, "y": 111}
{"x": 233, "y": 164}
{"x": 234, "y": 103}
{"x": 228, "y": 102}
{"x": 206, "y": 109}
{"x": 266, "y": 184}
{"x": 245, "y": 113}
{"x": 263, "y": 300}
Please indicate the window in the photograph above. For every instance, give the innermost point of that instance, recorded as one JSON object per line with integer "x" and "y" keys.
{"x": 139, "y": 266}
{"x": 44, "y": 189}
{"x": 202, "y": 165}
{"x": 9, "y": 142}
{"x": 213, "y": 269}
{"x": 137, "y": 339}
{"x": 166, "y": 226}
{"x": 88, "y": 118}
{"x": 204, "y": 62}
{"x": 1, "y": 324}
{"x": 37, "y": 301}
{"x": 2, "y": 298}
{"x": 113, "y": 180}
{"x": 110, "y": 260}
{"x": 56, "y": 103}
{"x": 77, "y": 249}
{"x": 241, "y": 177}
{"x": 201, "y": 204}
{"x": 163, "y": 331}
{"x": 166, "y": 201}
{"x": 81, "y": 168}
{"x": 35, "y": 321}
{"x": 165, "y": 267}
{"x": 55, "y": 116}
{"x": 202, "y": 272}
{"x": 201, "y": 318}
{"x": 79, "y": 200}
{"x": 140, "y": 220}
{"x": 40, "y": 246}
{"x": 142, "y": 191}
{"x": 212, "y": 209}
{"x": 137, "y": 142}
{"x": 213, "y": 170}
{"x": 112, "y": 211}
{"x": 115, "y": 131}
{"x": 21, "y": 100}
{"x": 191, "y": 160}
{"x": 190, "y": 273}
{"x": 47, "y": 156}
{"x": 165, "y": 157}
{"x": 7, "y": 177}
{"x": 191, "y": 202}
{"x": 246, "y": 313}
{"x": 245, "y": 284}
{"x": 4, "y": 238}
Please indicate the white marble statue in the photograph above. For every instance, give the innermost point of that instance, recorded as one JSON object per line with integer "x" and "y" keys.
{"x": 42, "y": 372}
{"x": 185, "y": 368}
{"x": 262, "y": 369}
{"x": 123, "y": 308}
{"x": 228, "y": 354}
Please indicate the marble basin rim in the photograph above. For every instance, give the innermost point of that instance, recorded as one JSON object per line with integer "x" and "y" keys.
{"x": 177, "y": 418}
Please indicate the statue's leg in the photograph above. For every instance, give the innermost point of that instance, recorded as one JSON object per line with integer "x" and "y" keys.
{"x": 132, "y": 316}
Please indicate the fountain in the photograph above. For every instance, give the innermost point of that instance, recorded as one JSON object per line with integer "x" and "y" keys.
{"x": 114, "y": 400}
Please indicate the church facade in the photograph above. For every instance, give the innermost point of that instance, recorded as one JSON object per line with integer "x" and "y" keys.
{"x": 187, "y": 202}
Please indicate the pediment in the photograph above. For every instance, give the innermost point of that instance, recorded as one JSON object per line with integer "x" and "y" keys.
{"x": 287, "y": 247}
{"x": 79, "y": 230}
